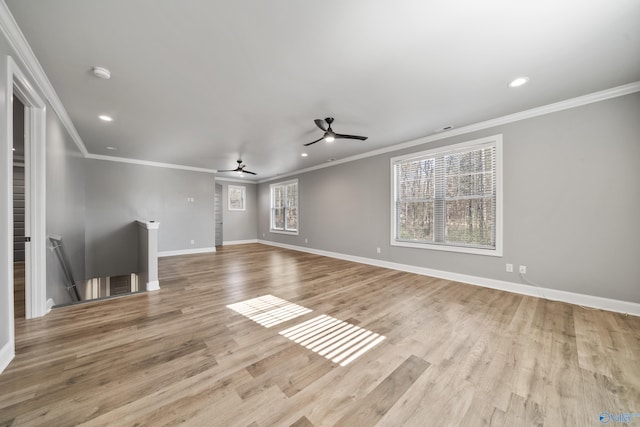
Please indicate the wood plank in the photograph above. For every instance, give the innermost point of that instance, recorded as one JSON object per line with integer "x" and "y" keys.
{"x": 457, "y": 353}
{"x": 370, "y": 409}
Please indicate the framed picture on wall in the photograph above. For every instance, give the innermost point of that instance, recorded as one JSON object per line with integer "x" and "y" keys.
{"x": 237, "y": 197}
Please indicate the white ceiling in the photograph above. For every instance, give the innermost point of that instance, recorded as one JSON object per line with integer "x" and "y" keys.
{"x": 201, "y": 82}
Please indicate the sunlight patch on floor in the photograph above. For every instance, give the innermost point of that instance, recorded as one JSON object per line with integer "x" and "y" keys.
{"x": 268, "y": 310}
{"x": 338, "y": 341}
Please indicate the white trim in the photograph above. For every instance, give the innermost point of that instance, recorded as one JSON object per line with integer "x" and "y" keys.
{"x": 239, "y": 242}
{"x": 35, "y": 180}
{"x": 284, "y": 184}
{"x": 217, "y": 178}
{"x": 7, "y": 353}
{"x": 50, "y": 304}
{"x": 518, "y": 288}
{"x": 147, "y": 163}
{"x": 149, "y": 225}
{"x": 20, "y": 45}
{"x": 154, "y": 285}
{"x": 493, "y": 140}
{"x": 26, "y": 56}
{"x": 290, "y": 233}
{"x": 522, "y": 115}
{"x": 186, "y": 252}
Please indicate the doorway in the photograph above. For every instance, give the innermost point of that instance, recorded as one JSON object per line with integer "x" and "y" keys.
{"x": 20, "y": 213}
{"x": 217, "y": 212}
{"x": 17, "y": 85}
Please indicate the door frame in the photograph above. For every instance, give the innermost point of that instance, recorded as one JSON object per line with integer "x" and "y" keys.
{"x": 17, "y": 84}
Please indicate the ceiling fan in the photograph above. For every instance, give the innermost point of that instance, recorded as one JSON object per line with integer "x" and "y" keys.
{"x": 239, "y": 169}
{"x": 329, "y": 134}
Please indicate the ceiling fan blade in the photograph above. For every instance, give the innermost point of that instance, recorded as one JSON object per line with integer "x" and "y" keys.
{"x": 320, "y": 124}
{"x": 252, "y": 173}
{"x": 361, "y": 138}
{"x": 317, "y": 140}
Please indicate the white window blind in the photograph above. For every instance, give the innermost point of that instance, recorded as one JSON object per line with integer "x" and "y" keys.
{"x": 284, "y": 207}
{"x": 448, "y": 198}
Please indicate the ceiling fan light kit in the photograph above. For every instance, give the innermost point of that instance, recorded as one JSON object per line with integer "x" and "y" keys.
{"x": 240, "y": 169}
{"x": 329, "y": 134}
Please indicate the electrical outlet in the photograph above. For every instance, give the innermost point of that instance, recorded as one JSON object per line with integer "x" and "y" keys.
{"x": 523, "y": 269}
{"x": 306, "y": 240}
{"x": 378, "y": 250}
{"x": 509, "y": 268}
{"x": 193, "y": 242}
{"x": 263, "y": 235}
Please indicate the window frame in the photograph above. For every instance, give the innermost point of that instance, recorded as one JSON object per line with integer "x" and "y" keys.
{"x": 494, "y": 140}
{"x": 243, "y": 190}
{"x": 284, "y": 185}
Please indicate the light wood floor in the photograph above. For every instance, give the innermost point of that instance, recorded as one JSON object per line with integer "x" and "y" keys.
{"x": 454, "y": 354}
{"x": 19, "y": 309}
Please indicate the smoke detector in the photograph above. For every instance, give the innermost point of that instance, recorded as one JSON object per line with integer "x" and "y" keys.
{"x": 101, "y": 73}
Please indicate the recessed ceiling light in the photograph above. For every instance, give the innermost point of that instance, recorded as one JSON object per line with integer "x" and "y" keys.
{"x": 105, "y": 118}
{"x": 101, "y": 73}
{"x": 304, "y": 154}
{"x": 108, "y": 147}
{"x": 519, "y": 82}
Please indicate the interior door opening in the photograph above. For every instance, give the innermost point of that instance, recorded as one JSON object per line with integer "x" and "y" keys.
{"x": 20, "y": 210}
{"x": 22, "y": 90}
{"x": 217, "y": 211}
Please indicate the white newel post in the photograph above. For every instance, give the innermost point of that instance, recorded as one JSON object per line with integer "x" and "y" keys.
{"x": 148, "y": 254}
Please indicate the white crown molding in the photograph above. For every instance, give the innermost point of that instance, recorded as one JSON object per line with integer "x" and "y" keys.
{"x": 522, "y": 115}
{"x": 234, "y": 180}
{"x": 7, "y": 353}
{"x": 186, "y": 252}
{"x": 518, "y": 288}
{"x": 19, "y": 43}
{"x": 148, "y": 163}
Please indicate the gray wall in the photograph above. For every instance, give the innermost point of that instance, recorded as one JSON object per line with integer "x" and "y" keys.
{"x": 65, "y": 207}
{"x": 571, "y": 203}
{"x": 120, "y": 193}
{"x": 240, "y": 225}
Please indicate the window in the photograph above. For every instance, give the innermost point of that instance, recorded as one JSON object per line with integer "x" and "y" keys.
{"x": 236, "y": 194}
{"x": 449, "y": 198}
{"x": 284, "y": 207}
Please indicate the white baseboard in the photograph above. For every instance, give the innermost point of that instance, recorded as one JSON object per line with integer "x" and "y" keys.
{"x": 239, "y": 242}
{"x": 186, "y": 252}
{"x": 7, "y": 352}
{"x": 50, "y": 304}
{"x": 518, "y": 288}
{"x": 153, "y": 286}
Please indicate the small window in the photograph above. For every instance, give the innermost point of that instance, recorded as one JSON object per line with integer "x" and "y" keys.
{"x": 236, "y": 195}
{"x": 449, "y": 198}
{"x": 284, "y": 207}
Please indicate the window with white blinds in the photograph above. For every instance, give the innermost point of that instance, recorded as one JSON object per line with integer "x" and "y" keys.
{"x": 284, "y": 207}
{"x": 449, "y": 198}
